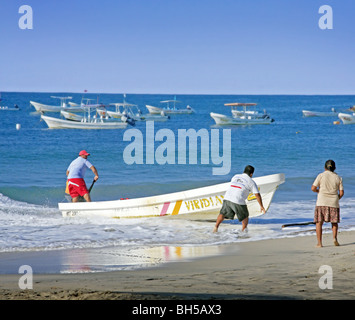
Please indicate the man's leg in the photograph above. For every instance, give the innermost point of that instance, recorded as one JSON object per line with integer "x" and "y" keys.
{"x": 87, "y": 197}
{"x": 220, "y": 218}
{"x": 245, "y": 223}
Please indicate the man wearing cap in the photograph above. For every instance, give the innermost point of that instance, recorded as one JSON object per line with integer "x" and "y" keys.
{"x": 76, "y": 172}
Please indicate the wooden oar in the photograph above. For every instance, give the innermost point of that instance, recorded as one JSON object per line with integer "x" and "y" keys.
{"x": 297, "y": 224}
{"x": 93, "y": 181}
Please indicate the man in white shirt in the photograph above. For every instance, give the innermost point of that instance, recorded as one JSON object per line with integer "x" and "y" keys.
{"x": 76, "y": 172}
{"x": 234, "y": 200}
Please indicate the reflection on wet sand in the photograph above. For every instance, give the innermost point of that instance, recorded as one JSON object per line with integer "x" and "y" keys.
{"x": 112, "y": 258}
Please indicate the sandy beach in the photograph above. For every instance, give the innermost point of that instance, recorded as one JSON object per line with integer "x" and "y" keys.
{"x": 284, "y": 269}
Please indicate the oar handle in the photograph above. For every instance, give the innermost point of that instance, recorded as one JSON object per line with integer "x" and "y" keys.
{"x": 92, "y": 184}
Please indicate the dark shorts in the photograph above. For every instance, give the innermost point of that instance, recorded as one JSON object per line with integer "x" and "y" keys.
{"x": 230, "y": 209}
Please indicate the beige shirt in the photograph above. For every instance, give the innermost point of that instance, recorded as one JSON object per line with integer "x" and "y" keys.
{"x": 329, "y": 183}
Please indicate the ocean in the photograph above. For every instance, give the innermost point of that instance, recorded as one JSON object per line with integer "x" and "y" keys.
{"x": 34, "y": 160}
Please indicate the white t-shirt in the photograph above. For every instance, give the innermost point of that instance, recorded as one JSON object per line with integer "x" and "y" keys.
{"x": 78, "y": 168}
{"x": 240, "y": 188}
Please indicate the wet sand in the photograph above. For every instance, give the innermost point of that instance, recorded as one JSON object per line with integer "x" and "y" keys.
{"x": 284, "y": 269}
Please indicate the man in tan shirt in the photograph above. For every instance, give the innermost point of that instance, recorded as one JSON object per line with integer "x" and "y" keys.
{"x": 329, "y": 187}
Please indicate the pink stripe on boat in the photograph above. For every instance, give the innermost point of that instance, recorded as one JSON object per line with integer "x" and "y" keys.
{"x": 165, "y": 208}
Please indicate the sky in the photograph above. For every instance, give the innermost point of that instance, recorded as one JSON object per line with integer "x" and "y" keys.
{"x": 178, "y": 47}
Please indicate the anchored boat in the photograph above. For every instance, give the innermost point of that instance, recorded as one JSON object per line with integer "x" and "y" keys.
{"x": 170, "y": 108}
{"x": 14, "y": 108}
{"x": 347, "y": 118}
{"x": 199, "y": 203}
{"x": 131, "y": 111}
{"x": 308, "y": 113}
{"x": 40, "y": 107}
{"x": 87, "y": 121}
{"x": 242, "y": 114}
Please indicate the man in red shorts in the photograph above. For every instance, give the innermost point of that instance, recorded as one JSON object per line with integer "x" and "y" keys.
{"x": 76, "y": 172}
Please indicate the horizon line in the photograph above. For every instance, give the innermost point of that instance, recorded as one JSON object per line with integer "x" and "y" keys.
{"x": 191, "y": 94}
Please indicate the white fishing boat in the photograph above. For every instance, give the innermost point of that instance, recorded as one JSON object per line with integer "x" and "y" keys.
{"x": 242, "y": 114}
{"x": 170, "y": 108}
{"x": 94, "y": 123}
{"x": 308, "y": 113}
{"x": 121, "y": 109}
{"x": 200, "y": 203}
{"x": 131, "y": 111}
{"x": 88, "y": 121}
{"x": 6, "y": 108}
{"x": 40, "y": 107}
{"x": 14, "y": 108}
{"x": 347, "y": 118}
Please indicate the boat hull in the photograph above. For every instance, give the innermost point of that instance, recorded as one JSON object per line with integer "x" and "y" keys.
{"x": 55, "y": 123}
{"x": 71, "y": 116}
{"x": 222, "y": 119}
{"x": 200, "y": 203}
{"x": 156, "y": 110}
{"x": 40, "y": 107}
{"x": 114, "y": 115}
{"x": 347, "y": 118}
{"x": 9, "y": 109}
{"x": 307, "y": 113}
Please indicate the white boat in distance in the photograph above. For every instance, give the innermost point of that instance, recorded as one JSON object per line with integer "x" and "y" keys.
{"x": 14, "y": 108}
{"x": 307, "y": 113}
{"x": 242, "y": 114}
{"x": 94, "y": 123}
{"x": 87, "y": 122}
{"x": 200, "y": 203}
{"x": 131, "y": 111}
{"x": 169, "y": 109}
{"x": 347, "y": 118}
{"x": 40, "y": 107}
{"x": 6, "y": 108}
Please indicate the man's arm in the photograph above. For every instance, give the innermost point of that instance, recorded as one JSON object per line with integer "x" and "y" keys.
{"x": 260, "y": 201}
{"x": 95, "y": 173}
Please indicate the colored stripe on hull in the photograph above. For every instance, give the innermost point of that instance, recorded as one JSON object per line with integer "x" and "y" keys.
{"x": 165, "y": 208}
{"x": 177, "y": 207}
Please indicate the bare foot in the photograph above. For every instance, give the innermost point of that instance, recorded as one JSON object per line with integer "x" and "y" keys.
{"x": 336, "y": 243}
{"x": 215, "y": 229}
{"x": 319, "y": 245}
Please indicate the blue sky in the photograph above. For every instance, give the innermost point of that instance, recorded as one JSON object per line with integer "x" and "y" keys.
{"x": 178, "y": 46}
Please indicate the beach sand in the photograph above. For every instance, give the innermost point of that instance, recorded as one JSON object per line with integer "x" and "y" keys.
{"x": 270, "y": 269}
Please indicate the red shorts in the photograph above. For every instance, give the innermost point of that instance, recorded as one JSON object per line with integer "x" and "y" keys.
{"x": 77, "y": 187}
